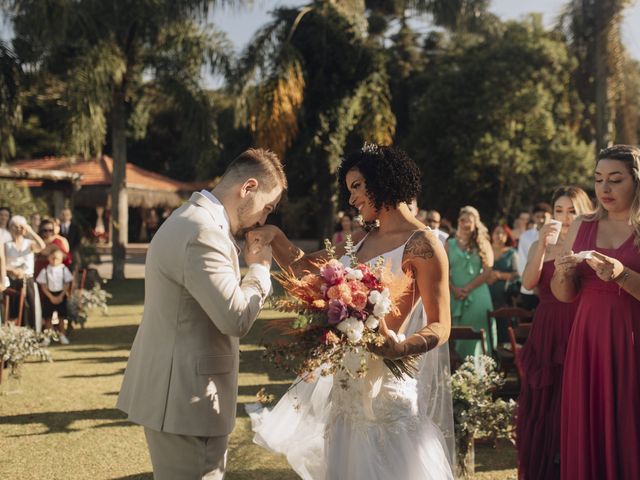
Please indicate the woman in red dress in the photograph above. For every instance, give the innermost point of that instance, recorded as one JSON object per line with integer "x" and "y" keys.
{"x": 542, "y": 358}
{"x": 52, "y": 239}
{"x": 600, "y": 432}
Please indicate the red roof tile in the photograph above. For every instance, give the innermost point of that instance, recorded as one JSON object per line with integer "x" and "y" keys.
{"x": 97, "y": 171}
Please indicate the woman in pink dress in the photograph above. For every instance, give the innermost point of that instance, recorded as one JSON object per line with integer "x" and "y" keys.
{"x": 542, "y": 357}
{"x": 600, "y": 415}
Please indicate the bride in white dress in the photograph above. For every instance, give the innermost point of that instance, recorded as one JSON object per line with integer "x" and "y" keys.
{"x": 380, "y": 427}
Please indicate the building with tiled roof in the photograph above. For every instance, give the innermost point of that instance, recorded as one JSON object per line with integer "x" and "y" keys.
{"x": 145, "y": 189}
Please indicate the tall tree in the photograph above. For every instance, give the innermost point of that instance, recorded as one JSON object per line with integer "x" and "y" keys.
{"x": 312, "y": 83}
{"x": 495, "y": 125}
{"x": 115, "y": 57}
{"x": 10, "y": 111}
{"x": 593, "y": 28}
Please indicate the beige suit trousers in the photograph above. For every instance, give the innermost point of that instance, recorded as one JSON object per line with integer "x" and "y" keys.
{"x": 183, "y": 457}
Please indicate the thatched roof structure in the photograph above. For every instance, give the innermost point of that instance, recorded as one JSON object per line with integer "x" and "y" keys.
{"x": 145, "y": 189}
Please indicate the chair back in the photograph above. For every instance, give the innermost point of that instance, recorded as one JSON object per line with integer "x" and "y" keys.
{"x": 507, "y": 317}
{"x": 517, "y": 336}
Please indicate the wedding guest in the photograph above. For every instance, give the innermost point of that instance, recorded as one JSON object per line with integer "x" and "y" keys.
{"x": 70, "y": 230}
{"x": 433, "y": 221}
{"x": 600, "y": 418}
{"x": 542, "y": 357}
{"x": 5, "y": 216}
{"x": 53, "y": 241}
{"x": 343, "y": 229}
{"x": 505, "y": 267}
{"x": 4, "y": 280}
{"x": 55, "y": 285}
{"x": 520, "y": 224}
{"x": 19, "y": 254}
{"x": 470, "y": 263}
{"x": 541, "y": 215}
{"x": 35, "y": 221}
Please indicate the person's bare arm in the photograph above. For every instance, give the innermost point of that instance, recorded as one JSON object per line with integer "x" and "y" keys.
{"x": 426, "y": 257}
{"x": 564, "y": 283}
{"x": 3, "y": 268}
{"x": 286, "y": 254}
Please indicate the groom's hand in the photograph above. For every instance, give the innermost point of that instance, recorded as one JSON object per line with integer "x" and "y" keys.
{"x": 261, "y": 236}
{"x": 260, "y": 254}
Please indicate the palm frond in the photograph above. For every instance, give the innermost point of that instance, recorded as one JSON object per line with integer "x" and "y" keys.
{"x": 89, "y": 90}
{"x": 10, "y": 111}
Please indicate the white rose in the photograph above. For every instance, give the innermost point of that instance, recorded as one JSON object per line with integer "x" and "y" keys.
{"x": 352, "y": 328}
{"x": 354, "y": 274}
{"x": 372, "y": 322}
{"x": 382, "y": 308}
{"x": 374, "y": 296}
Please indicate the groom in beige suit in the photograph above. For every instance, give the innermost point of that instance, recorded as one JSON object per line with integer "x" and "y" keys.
{"x": 181, "y": 380}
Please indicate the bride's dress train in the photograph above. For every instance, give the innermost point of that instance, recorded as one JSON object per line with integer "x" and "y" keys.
{"x": 379, "y": 428}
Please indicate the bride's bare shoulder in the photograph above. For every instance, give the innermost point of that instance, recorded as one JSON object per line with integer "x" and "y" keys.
{"x": 423, "y": 244}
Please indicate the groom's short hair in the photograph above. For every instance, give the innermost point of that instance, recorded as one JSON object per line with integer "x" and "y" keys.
{"x": 258, "y": 163}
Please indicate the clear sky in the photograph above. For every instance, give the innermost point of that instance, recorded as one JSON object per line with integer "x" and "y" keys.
{"x": 240, "y": 25}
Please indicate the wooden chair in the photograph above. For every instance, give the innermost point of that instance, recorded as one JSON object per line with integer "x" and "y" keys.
{"x": 6, "y": 300}
{"x": 517, "y": 336}
{"x": 510, "y": 318}
{"x": 464, "y": 333}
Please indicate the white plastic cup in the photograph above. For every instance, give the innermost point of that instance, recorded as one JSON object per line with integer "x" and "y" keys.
{"x": 557, "y": 226}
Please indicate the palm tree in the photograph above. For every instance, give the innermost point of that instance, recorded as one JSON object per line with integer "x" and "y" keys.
{"x": 593, "y": 27}
{"x": 10, "y": 112}
{"x": 310, "y": 82}
{"x": 114, "y": 57}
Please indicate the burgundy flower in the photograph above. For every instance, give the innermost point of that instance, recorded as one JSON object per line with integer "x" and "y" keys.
{"x": 336, "y": 312}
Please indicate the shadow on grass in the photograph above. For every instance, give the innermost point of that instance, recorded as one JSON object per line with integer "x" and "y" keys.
{"x": 262, "y": 474}
{"x": 488, "y": 461}
{"x": 126, "y": 292}
{"x": 120, "y": 371}
{"x": 118, "y": 337}
{"x": 59, "y": 422}
{"x": 252, "y": 362}
{"x": 136, "y": 476}
{"x": 114, "y": 359}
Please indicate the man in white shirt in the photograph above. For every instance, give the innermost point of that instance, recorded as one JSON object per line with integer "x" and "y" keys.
{"x": 541, "y": 215}
{"x": 432, "y": 220}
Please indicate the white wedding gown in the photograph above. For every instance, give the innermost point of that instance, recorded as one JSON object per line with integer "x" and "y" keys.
{"x": 379, "y": 428}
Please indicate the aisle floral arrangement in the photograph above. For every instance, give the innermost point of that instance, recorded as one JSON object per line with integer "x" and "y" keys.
{"x": 83, "y": 301}
{"x": 476, "y": 413}
{"x": 17, "y": 344}
{"x": 338, "y": 311}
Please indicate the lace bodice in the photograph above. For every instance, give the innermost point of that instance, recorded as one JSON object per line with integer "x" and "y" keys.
{"x": 379, "y": 397}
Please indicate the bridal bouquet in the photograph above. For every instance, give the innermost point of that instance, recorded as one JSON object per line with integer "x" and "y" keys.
{"x": 338, "y": 312}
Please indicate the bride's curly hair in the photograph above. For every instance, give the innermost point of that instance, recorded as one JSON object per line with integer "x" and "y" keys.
{"x": 391, "y": 177}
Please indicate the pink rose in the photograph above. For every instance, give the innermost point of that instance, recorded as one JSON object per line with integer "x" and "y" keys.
{"x": 333, "y": 272}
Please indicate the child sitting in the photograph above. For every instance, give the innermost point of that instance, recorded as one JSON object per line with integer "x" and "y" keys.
{"x": 55, "y": 285}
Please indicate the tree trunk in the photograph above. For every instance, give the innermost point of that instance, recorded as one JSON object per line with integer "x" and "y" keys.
{"x": 119, "y": 200}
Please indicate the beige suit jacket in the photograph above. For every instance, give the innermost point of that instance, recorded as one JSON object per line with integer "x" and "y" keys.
{"x": 182, "y": 374}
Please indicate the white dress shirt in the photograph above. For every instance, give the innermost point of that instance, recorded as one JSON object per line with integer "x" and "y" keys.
{"x": 524, "y": 244}
{"x": 55, "y": 277}
{"x": 442, "y": 236}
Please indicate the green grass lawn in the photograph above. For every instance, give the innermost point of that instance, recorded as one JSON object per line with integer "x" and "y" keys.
{"x": 59, "y": 420}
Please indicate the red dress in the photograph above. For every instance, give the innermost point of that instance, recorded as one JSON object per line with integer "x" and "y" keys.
{"x": 542, "y": 361}
{"x": 600, "y": 438}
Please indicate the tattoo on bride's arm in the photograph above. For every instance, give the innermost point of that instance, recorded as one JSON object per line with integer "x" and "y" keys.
{"x": 420, "y": 246}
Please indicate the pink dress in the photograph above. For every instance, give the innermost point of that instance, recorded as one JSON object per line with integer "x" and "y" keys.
{"x": 542, "y": 361}
{"x": 600, "y": 437}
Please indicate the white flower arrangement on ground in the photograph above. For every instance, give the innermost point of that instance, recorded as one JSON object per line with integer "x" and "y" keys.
{"x": 17, "y": 344}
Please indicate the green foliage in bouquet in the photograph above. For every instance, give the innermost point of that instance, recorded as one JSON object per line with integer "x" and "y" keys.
{"x": 17, "y": 344}
{"x": 83, "y": 301}
{"x": 476, "y": 413}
